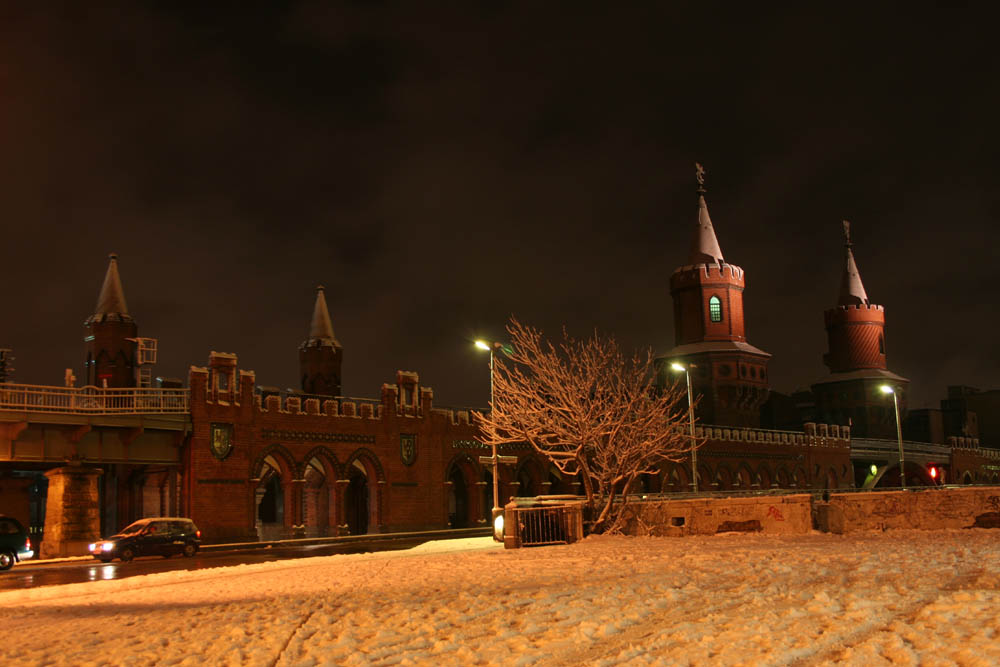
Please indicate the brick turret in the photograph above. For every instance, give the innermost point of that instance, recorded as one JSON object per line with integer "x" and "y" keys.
{"x": 729, "y": 374}
{"x": 855, "y": 330}
{"x": 111, "y": 333}
{"x": 320, "y": 355}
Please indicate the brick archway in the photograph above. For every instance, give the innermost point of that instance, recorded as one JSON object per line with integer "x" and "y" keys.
{"x": 320, "y": 471}
{"x": 363, "y": 497}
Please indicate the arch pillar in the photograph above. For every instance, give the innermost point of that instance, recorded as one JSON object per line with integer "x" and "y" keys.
{"x": 73, "y": 513}
{"x": 339, "y": 515}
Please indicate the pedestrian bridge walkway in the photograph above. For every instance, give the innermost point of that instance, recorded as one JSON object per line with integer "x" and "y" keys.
{"x": 44, "y": 424}
{"x": 92, "y": 400}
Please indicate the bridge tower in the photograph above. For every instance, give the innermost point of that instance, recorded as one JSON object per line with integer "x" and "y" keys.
{"x": 110, "y": 335}
{"x": 855, "y": 330}
{"x": 728, "y": 373}
{"x": 320, "y": 355}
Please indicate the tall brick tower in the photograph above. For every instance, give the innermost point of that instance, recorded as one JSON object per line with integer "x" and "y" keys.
{"x": 728, "y": 374}
{"x": 111, "y": 333}
{"x": 320, "y": 355}
{"x": 855, "y": 330}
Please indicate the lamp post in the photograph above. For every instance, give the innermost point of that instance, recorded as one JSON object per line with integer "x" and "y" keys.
{"x": 497, "y": 512}
{"x": 886, "y": 389}
{"x": 676, "y": 367}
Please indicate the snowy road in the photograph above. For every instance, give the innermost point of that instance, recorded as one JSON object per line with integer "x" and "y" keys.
{"x": 906, "y": 597}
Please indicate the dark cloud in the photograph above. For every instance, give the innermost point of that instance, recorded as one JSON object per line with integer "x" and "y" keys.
{"x": 440, "y": 169}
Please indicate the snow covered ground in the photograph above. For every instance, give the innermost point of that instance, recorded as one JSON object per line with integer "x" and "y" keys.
{"x": 903, "y": 597}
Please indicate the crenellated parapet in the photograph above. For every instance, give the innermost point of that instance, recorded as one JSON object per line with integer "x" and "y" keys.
{"x": 813, "y": 435}
{"x": 695, "y": 274}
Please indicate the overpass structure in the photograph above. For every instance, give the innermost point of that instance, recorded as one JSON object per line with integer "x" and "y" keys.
{"x": 91, "y": 456}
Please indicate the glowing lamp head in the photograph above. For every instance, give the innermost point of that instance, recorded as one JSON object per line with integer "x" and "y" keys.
{"x": 933, "y": 472}
{"x": 483, "y": 345}
{"x": 886, "y": 389}
{"x": 874, "y": 469}
{"x": 677, "y": 367}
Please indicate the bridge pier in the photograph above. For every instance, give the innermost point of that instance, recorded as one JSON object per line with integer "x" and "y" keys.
{"x": 73, "y": 511}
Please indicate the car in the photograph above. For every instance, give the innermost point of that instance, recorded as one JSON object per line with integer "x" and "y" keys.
{"x": 156, "y": 536}
{"x": 15, "y": 545}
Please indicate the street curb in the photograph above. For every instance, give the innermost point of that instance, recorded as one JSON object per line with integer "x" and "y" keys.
{"x": 445, "y": 534}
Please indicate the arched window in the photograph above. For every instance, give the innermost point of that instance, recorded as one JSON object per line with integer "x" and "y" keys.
{"x": 715, "y": 309}
{"x": 881, "y": 345}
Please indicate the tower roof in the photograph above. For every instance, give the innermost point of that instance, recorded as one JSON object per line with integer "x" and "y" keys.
{"x": 111, "y": 301}
{"x": 852, "y": 291}
{"x": 704, "y": 246}
{"x": 321, "y": 329}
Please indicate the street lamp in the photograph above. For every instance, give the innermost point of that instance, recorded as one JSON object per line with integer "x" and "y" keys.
{"x": 886, "y": 389}
{"x": 494, "y": 460}
{"x": 678, "y": 368}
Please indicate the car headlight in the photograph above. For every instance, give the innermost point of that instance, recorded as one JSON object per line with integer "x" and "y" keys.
{"x": 91, "y": 547}
{"x": 107, "y": 546}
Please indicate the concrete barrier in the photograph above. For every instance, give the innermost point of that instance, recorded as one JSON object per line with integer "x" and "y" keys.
{"x": 776, "y": 515}
{"x": 926, "y": 509}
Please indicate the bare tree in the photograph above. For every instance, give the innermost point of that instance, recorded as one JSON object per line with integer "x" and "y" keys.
{"x": 589, "y": 410}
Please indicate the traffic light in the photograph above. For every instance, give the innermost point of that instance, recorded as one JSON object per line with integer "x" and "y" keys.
{"x": 934, "y": 472}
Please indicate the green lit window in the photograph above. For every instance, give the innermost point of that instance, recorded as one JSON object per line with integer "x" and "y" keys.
{"x": 715, "y": 309}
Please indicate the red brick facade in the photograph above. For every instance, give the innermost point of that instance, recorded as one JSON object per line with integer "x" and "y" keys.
{"x": 419, "y": 464}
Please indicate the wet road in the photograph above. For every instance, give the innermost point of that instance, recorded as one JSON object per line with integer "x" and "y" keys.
{"x": 31, "y": 575}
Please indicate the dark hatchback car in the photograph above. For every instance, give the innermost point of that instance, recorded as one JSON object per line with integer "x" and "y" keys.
{"x": 15, "y": 544}
{"x": 160, "y": 536}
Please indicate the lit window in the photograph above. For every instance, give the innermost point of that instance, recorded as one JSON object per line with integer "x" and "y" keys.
{"x": 715, "y": 309}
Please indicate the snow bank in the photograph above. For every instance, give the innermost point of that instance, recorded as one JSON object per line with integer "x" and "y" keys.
{"x": 901, "y": 597}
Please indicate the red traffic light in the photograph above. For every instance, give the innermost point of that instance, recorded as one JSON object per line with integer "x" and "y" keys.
{"x": 934, "y": 472}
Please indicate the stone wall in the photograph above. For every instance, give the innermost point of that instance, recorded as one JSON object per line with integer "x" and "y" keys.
{"x": 777, "y": 515}
{"x": 927, "y": 510}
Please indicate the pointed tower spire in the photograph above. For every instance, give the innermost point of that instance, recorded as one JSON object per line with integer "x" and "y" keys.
{"x": 852, "y": 291}
{"x": 112, "y": 298}
{"x": 111, "y": 301}
{"x": 111, "y": 334}
{"x": 320, "y": 355}
{"x": 704, "y": 247}
{"x": 321, "y": 329}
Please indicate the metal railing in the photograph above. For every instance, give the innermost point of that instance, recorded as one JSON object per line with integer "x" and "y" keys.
{"x": 541, "y": 524}
{"x": 92, "y": 400}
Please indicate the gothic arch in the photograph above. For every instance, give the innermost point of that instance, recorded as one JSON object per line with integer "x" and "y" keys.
{"x": 528, "y": 469}
{"x": 321, "y": 513}
{"x": 744, "y": 479}
{"x": 764, "y": 477}
{"x": 461, "y": 485}
{"x": 799, "y": 478}
{"x": 367, "y": 458}
{"x": 282, "y": 456}
{"x": 781, "y": 477}
{"x": 334, "y": 470}
{"x": 363, "y": 503}
{"x": 724, "y": 477}
{"x": 273, "y": 494}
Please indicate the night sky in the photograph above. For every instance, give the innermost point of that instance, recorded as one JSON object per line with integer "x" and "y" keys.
{"x": 439, "y": 169}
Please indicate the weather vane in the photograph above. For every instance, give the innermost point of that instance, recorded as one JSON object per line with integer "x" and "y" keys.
{"x": 847, "y": 231}
{"x": 700, "y": 175}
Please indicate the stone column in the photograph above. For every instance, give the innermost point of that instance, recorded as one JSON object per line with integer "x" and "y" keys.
{"x": 73, "y": 513}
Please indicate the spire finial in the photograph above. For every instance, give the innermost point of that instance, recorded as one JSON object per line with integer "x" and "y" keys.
{"x": 699, "y": 172}
{"x": 847, "y": 233}
{"x": 704, "y": 247}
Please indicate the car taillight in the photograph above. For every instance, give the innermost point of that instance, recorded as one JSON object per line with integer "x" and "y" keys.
{"x": 27, "y": 544}
{"x": 197, "y": 534}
